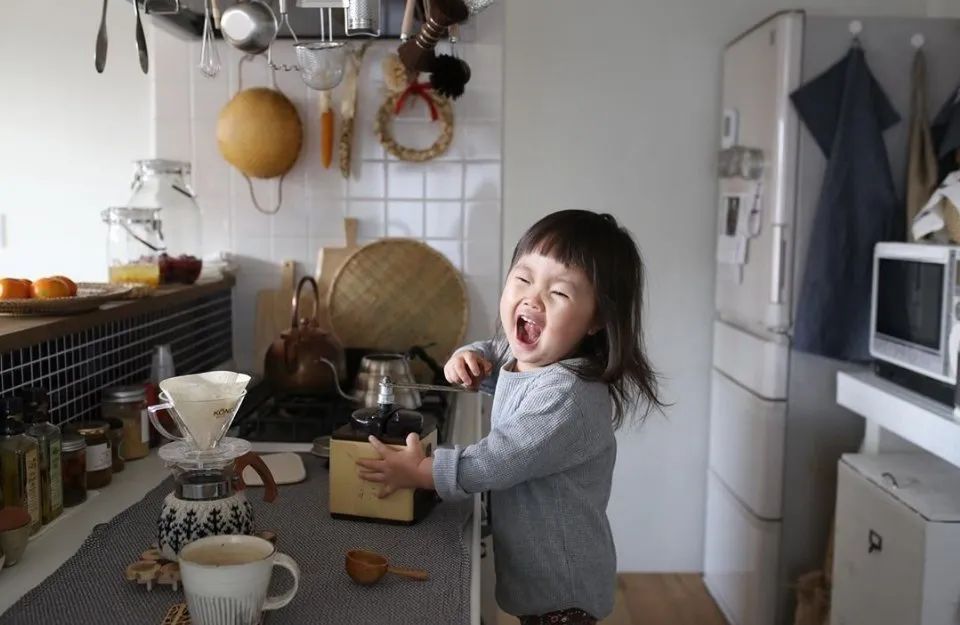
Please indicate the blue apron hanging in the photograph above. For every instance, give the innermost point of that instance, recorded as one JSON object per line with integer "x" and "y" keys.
{"x": 847, "y": 112}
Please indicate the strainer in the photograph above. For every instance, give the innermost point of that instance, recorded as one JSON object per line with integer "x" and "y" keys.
{"x": 321, "y": 63}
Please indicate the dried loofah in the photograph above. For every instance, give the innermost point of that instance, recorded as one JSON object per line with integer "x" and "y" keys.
{"x": 395, "y": 74}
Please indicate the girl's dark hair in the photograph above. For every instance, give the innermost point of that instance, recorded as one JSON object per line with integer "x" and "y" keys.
{"x": 606, "y": 252}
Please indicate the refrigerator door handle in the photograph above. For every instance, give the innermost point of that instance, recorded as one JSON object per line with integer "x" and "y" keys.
{"x": 779, "y": 253}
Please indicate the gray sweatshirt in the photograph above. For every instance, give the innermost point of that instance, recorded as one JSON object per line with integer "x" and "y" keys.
{"x": 548, "y": 462}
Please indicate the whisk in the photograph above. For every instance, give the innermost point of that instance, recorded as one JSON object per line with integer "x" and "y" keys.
{"x": 209, "y": 56}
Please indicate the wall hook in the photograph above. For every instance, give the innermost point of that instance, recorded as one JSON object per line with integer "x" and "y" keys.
{"x": 856, "y": 27}
{"x": 918, "y": 41}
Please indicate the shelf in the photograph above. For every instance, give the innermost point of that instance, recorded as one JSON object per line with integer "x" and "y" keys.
{"x": 917, "y": 419}
{"x": 17, "y": 332}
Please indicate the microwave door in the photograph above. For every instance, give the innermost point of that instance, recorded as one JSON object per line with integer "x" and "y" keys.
{"x": 913, "y": 320}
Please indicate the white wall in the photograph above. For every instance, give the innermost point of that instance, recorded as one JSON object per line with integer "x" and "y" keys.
{"x": 452, "y": 203}
{"x": 943, "y": 8}
{"x": 613, "y": 106}
{"x": 68, "y": 134}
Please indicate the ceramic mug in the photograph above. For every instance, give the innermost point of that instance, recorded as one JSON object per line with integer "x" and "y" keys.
{"x": 225, "y": 579}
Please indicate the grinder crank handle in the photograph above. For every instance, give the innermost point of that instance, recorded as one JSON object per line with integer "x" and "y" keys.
{"x": 251, "y": 459}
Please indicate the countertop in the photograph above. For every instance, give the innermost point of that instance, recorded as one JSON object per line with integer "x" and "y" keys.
{"x": 49, "y": 549}
{"x": 17, "y": 332}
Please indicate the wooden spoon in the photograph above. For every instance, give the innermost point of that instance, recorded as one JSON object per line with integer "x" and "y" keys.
{"x": 367, "y": 567}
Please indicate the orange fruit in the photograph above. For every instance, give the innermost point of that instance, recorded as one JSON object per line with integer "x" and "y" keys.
{"x": 11, "y": 288}
{"x": 47, "y": 288}
{"x": 70, "y": 283}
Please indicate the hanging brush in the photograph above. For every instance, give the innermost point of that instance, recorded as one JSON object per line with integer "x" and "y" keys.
{"x": 449, "y": 74}
{"x": 418, "y": 52}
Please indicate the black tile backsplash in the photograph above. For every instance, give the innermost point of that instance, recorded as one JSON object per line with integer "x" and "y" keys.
{"x": 75, "y": 369}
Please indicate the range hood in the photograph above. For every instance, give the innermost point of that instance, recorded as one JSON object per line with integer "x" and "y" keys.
{"x": 188, "y": 22}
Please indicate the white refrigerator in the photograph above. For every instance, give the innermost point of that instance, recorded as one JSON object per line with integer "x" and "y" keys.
{"x": 776, "y": 432}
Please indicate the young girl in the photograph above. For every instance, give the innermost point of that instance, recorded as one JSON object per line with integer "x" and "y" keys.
{"x": 569, "y": 366}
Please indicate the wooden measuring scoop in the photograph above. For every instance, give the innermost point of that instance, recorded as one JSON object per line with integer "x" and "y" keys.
{"x": 366, "y": 568}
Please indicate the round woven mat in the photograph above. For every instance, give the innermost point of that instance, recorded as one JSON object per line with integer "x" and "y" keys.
{"x": 393, "y": 294}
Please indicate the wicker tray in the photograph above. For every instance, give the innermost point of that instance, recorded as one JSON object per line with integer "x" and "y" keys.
{"x": 90, "y": 296}
{"x": 393, "y": 294}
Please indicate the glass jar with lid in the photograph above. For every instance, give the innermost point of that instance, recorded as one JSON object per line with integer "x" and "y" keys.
{"x": 160, "y": 184}
{"x": 134, "y": 245}
{"x": 99, "y": 456}
{"x": 74, "y": 464}
{"x": 129, "y": 404}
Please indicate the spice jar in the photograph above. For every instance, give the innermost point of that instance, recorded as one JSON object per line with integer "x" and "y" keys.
{"x": 20, "y": 470}
{"x": 116, "y": 444}
{"x": 129, "y": 404}
{"x": 35, "y": 415}
{"x": 99, "y": 455}
{"x": 74, "y": 463}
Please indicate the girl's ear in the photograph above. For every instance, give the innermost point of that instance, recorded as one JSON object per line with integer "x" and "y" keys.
{"x": 595, "y": 328}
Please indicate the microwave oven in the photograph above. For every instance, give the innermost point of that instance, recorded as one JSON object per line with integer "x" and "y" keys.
{"x": 915, "y": 316}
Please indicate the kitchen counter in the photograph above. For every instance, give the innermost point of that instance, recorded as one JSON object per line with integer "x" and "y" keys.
{"x": 17, "y": 332}
{"x": 58, "y": 541}
{"x": 55, "y": 544}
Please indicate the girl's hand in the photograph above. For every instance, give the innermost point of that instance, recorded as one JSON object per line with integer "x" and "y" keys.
{"x": 467, "y": 368}
{"x": 406, "y": 468}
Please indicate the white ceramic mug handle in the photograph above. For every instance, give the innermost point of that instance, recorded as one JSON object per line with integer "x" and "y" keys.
{"x": 153, "y": 410}
{"x": 284, "y": 561}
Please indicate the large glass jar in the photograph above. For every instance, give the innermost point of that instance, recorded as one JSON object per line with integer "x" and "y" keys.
{"x": 164, "y": 185}
{"x": 134, "y": 245}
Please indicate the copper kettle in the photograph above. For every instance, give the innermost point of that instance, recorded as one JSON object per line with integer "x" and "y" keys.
{"x": 298, "y": 361}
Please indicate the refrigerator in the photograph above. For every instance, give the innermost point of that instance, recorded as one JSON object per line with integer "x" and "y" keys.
{"x": 776, "y": 432}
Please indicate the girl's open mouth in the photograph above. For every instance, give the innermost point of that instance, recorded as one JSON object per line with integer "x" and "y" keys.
{"x": 528, "y": 331}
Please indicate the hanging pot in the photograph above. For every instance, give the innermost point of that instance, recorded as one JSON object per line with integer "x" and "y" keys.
{"x": 297, "y": 361}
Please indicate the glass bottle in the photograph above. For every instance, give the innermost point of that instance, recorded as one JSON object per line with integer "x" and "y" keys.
{"x": 36, "y": 416}
{"x": 11, "y": 408}
{"x": 20, "y": 470}
{"x": 163, "y": 185}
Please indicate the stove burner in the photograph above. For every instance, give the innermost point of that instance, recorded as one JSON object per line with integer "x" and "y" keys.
{"x": 266, "y": 416}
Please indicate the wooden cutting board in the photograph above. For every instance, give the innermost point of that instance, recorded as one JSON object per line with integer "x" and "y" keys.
{"x": 329, "y": 261}
{"x": 393, "y": 294}
{"x": 273, "y": 313}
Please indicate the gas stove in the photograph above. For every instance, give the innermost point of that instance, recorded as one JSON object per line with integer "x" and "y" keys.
{"x": 269, "y": 416}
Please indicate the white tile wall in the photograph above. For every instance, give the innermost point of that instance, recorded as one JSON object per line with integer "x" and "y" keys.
{"x": 452, "y": 203}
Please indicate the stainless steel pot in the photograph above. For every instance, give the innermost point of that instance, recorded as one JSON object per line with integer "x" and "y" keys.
{"x": 249, "y": 26}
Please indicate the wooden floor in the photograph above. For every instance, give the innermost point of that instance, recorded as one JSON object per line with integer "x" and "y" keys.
{"x": 662, "y": 599}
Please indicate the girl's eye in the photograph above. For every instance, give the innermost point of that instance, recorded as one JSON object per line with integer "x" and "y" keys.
{"x": 561, "y": 294}
{"x": 524, "y": 280}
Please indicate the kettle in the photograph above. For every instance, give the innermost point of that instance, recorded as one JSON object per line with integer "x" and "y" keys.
{"x": 297, "y": 361}
{"x": 208, "y": 501}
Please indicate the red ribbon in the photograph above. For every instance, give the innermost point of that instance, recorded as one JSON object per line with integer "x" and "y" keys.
{"x": 417, "y": 89}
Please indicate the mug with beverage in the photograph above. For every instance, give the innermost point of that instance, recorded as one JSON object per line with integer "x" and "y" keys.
{"x": 225, "y": 579}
